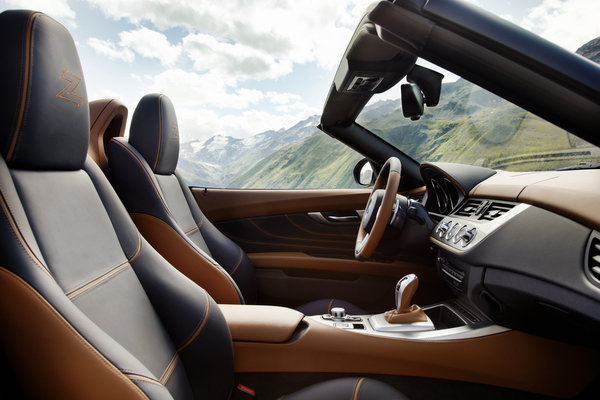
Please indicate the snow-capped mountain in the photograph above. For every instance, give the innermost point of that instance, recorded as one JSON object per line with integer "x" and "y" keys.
{"x": 218, "y": 160}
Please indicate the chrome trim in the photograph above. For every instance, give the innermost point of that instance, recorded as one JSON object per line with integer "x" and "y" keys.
{"x": 483, "y": 229}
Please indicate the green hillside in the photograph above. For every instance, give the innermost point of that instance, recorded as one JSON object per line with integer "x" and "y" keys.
{"x": 473, "y": 126}
{"x": 470, "y": 125}
{"x": 314, "y": 163}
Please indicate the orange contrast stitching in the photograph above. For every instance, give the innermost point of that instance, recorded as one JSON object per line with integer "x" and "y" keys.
{"x": 138, "y": 250}
{"x": 24, "y": 96}
{"x": 14, "y": 227}
{"x": 200, "y": 326}
{"x": 194, "y": 229}
{"x": 159, "y": 133}
{"x": 148, "y": 176}
{"x": 72, "y": 91}
{"x": 357, "y": 388}
{"x": 169, "y": 370}
{"x": 238, "y": 263}
{"x": 141, "y": 378}
{"x": 73, "y": 294}
{"x": 72, "y": 330}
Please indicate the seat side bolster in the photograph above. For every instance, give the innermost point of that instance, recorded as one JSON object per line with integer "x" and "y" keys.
{"x": 225, "y": 251}
{"x": 134, "y": 181}
{"x": 194, "y": 323}
{"x": 199, "y": 217}
{"x": 188, "y": 259}
{"x": 80, "y": 371}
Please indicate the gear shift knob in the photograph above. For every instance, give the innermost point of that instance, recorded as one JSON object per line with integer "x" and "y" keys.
{"x": 405, "y": 290}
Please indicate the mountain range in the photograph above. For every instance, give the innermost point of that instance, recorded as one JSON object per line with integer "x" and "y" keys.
{"x": 467, "y": 126}
{"x": 220, "y": 160}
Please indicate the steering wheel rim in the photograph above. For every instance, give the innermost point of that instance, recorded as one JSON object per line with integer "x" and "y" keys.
{"x": 388, "y": 179}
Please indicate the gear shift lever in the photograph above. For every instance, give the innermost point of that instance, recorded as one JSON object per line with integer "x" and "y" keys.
{"x": 405, "y": 290}
{"x": 404, "y": 312}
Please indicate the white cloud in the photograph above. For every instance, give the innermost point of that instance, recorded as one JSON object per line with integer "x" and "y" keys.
{"x": 110, "y": 50}
{"x": 58, "y": 9}
{"x": 282, "y": 98}
{"x": 288, "y": 31}
{"x": 151, "y": 44}
{"x": 567, "y": 23}
{"x": 233, "y": 59}
{"x": 191, "y": 89}
{"x": 298, "y": 109}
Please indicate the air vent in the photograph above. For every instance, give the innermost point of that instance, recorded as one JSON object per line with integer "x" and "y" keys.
{"x": 483, "y": 210}
{"x": 361, "y": 83}
{"x": 470, "y": 208}
{"x": 494, "y": 210}
{"x": 593, "y": 258}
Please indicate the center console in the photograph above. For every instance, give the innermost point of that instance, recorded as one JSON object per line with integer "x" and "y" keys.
{"x": 449, "y": 320}
{"x": 462, "y": 345}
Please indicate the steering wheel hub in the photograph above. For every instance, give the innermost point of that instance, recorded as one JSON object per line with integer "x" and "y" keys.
{"x": 371, "y": 210}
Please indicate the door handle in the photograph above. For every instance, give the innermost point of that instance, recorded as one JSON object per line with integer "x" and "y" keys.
{"x": 331, "y": 218}
{"x": 344, "y": 218}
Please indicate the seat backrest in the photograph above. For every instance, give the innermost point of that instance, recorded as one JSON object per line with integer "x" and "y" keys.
{"x": 143, "y": 172}
{"x": 88, "y": 308}
{"x": 108, "y": 118}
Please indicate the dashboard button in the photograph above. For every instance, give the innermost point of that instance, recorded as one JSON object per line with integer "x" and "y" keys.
{"x": 443, "y": 228}
{"x": 468, "y": 236}
{"x": 460, "y": 235}
{"x": 452, "y": 231}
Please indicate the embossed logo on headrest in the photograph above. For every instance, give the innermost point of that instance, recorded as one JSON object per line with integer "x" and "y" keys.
{"x": 73, "y": 82}
{"x": 174, "y": 131}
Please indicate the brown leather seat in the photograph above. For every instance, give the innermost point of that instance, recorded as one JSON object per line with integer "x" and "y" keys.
{"x": 143, "y": 172}
{"x": 88, "y": 309}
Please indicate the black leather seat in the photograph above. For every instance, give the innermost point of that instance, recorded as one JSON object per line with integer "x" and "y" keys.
{"x": 143, "y": 172}
{"x": 88, "y": 308}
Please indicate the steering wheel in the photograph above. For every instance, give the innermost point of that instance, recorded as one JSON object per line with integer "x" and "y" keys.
{"x": 378, "y": 210}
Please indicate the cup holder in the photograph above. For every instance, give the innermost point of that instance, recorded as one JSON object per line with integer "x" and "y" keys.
{"x": 444, "y": 317}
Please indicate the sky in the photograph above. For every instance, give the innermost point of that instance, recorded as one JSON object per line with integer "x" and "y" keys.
{"x": 240, "y": 67}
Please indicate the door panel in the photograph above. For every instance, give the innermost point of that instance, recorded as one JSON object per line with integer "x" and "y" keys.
{"x": 226, "y": 204}
{"x": 302, "y": 245}
{"x": 292, "y": 232}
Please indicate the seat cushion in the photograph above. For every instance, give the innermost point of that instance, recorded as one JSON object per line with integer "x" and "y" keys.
{"x": 347, "y": 389}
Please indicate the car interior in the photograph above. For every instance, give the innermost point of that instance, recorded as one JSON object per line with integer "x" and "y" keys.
{"x": 435, "y": 280}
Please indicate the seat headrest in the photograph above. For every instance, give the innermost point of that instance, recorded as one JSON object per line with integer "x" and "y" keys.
{"x": 108, "y": 118}
{"x": 44, "y": 114}
{"x": 154, "y": 133}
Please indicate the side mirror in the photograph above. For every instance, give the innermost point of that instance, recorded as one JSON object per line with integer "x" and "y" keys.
{"x": 364, "y": 174}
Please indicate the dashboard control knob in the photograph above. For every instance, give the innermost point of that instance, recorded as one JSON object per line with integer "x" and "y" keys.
{"x": 452, "y": 231}
{"x": 338, "y": 312}
{"x": 443, "y": 228}
{"x": 468, "y": 235}
{"x": 461, "y": 234}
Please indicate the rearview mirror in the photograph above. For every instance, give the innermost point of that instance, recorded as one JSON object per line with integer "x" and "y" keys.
{"x": 412, "y": 101}
{"x": 364, "y": 174}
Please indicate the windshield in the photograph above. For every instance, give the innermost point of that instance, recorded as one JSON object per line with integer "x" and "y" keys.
{"x": 473, "y": 126}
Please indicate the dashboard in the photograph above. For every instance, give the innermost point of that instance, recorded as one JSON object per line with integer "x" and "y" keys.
{"x": 527, "y": 257}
